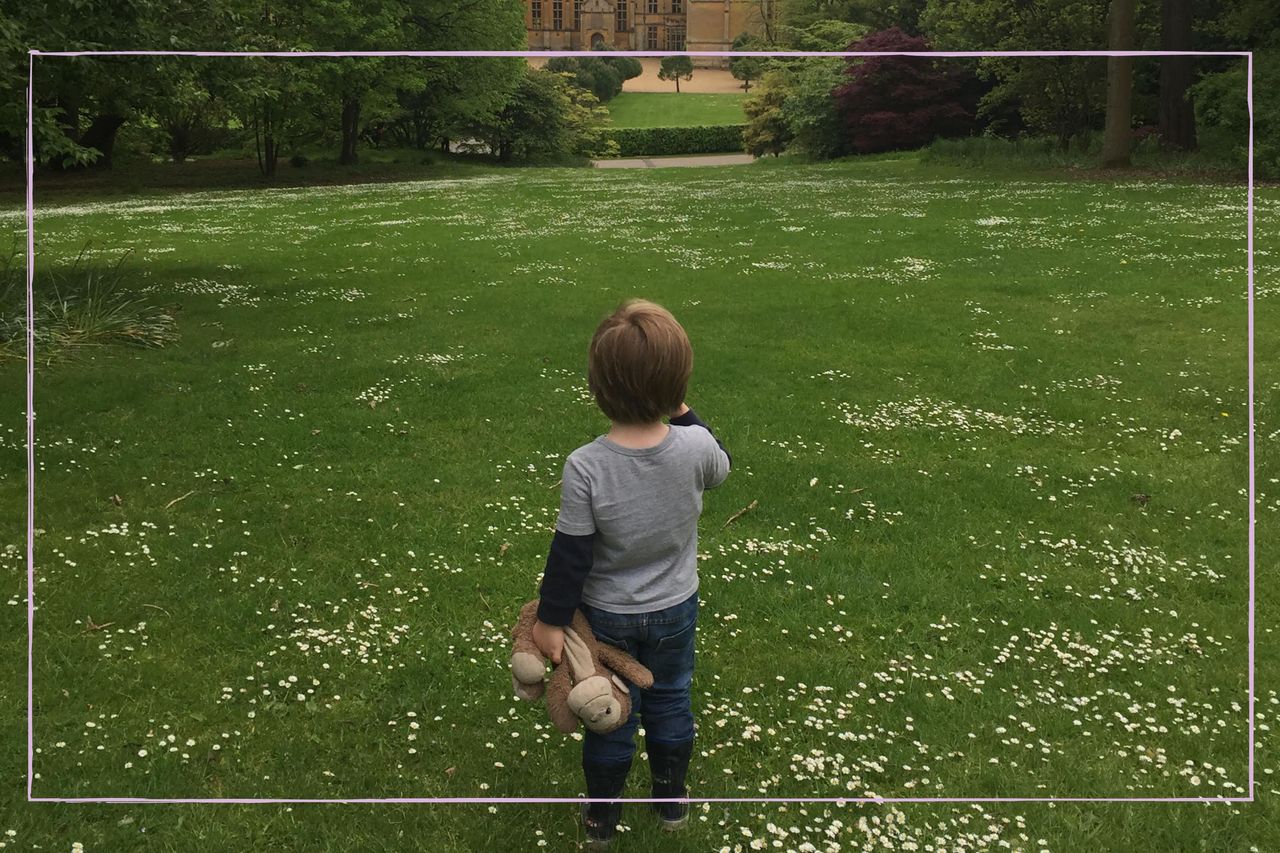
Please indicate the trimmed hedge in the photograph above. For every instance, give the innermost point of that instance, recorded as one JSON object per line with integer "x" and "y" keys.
{"x": 663, "y": 141}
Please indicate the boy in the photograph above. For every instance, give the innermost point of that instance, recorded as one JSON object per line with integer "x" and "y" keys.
{"x": 626, "y": 546}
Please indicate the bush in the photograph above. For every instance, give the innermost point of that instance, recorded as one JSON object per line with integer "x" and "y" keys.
{"x": 896, "y": 102}
{"x": 81, "y": 306}
{"x": 1046, "y": 152}
{"x": 766, "y": 131}
{"x": 298, "y": 161}
{"x": 660, "y": 141}
{"x": 1222, "y": 116}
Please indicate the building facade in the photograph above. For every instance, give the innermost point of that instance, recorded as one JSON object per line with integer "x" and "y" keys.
{"x": 673, "y": 25}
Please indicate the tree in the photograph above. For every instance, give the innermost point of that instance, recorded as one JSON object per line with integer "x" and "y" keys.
{"x": 1177, "y": 73}
{"x": 185, "y": 106}
{"x": 869, "y": 14}
{"x": 809, "y": 110}
{"x": 586, "y": 72}
{"x": 766, "y": 131}
{"x": 675, "y": 67}
{"x": 1117, "y": 138}
{"x": 547, "y": 118}
{"x": 896, "y": 102}
{"x": 747, "y": 68}
{"x": 824, "y": 35}
{"x": 1062, "y": 96}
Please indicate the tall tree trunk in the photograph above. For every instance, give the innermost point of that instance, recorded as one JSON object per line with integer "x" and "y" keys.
{"x": 181, "y": 138}
{"x": 350, "y": 131}
{"x": 271, "y": 155}
{"x": 1118, "y": 137}
{"x": 1177, "y": 117}
{"x": 270, "y": 147}
{"x": 101, "y": 134}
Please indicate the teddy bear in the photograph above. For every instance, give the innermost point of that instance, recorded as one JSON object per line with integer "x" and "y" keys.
{"x": 585, "y": 686}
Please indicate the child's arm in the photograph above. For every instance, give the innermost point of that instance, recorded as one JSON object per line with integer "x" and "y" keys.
{"x": 718, "y": 462}
{"x": 688, "y": 417}
{"x": 568, "y": 562}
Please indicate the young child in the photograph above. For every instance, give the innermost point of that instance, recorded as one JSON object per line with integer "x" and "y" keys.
{"x": 626, "y": 546}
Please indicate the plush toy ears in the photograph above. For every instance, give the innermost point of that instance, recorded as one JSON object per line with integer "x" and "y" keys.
{"x": 622, "y": 685}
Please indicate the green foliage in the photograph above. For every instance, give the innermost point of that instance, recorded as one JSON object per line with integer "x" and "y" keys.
{"x": 868, "y": 14}
{"x": 1081, "y": 153}
{"x": 1222, "y": 116}
{"x": 747, "y": 68}
{"x": 548, "y": 119}
{"x": 601, "y": 75}
{"x": 670, "y": 141}
{"x": 628, "y": 67}
{"x": 676, "y": 68}
{"x": 83, "y": 305}
{"x": 597, "y": 76}
{"x": 809, "y": 110}
{"x": 1059, "y": 95}
{"x": 767, "y": 131}
{"x": 823, "y": 35}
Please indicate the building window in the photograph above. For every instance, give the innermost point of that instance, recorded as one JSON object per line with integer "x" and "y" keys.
{"x": 557, "y": 14}
{"x": 677, "y": 7}
{"x": 577, "y": 14}
{"x": 536, "y": 6}
{"x": 653, "y": 7}
{"x": 675, "y": 38}
{"x": 651, "y": 38}
{"x": 621, "y": 23}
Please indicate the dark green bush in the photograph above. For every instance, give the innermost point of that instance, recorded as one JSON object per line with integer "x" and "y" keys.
{"x": 665, "y": 141}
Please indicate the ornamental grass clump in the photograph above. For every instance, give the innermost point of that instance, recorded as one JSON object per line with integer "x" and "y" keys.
{"x": 78, "y": 306}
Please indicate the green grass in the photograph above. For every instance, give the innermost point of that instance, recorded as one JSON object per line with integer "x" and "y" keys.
{"x": 658, "y": 109}
{"x": 943, "y": 387}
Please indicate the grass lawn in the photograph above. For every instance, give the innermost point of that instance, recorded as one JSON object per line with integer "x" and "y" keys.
{"x": 996, "y": 430}
{"x": 656, "y": 109}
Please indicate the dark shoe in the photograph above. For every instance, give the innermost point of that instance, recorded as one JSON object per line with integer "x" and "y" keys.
{"x": 600, "y": 820}
{"x": 669, "y": 764}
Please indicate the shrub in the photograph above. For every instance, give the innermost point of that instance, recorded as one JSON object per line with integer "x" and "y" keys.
{"x": 766, "y": 131}
{"x": 810, "y": 113}
{"x": 659, "y": 141}
{"x": 298, "y": 160}
{"x": 549, "y": 120}
{"x": 897, "y": 102}
{"x": 1222, "y": 116}
{"x": 81, "y": 306}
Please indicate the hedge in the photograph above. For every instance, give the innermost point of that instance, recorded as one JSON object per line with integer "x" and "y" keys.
{"x": 660, "y": 141}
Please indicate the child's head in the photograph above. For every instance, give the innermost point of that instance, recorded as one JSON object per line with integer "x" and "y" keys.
{"x": 639, "y": 363}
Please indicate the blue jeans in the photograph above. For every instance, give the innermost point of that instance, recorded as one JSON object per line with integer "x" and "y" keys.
{"x": 663, "y": 641}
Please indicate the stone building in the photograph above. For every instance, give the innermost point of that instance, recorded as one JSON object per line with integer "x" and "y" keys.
{"x": 674, "y": 25}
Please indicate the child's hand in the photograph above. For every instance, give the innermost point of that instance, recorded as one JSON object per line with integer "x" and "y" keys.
{"x": 549, "y": 639}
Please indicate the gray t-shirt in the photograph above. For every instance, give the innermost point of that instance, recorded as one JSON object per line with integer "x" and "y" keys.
{"x": 643, "y": 507}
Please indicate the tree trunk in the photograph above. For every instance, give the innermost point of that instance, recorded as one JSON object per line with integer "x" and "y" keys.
{"x": 1118, "y": 136}
{"x": 350, "y": 131}
{"x": 180, "y": 139}
{"x": 270, "y": 155}
{"x": 101, "y": 134}
{"x": 1177, "y": 117}
{"x": 677, "y": 84}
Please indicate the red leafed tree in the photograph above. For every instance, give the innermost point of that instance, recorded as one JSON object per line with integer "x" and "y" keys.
{"x": 897, "y": 102}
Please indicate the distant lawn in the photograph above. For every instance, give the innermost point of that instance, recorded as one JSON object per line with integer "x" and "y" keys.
{"x": 656, "y": 109}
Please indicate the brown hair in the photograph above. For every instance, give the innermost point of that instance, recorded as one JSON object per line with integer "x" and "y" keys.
{"x": 639, "y": 363}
